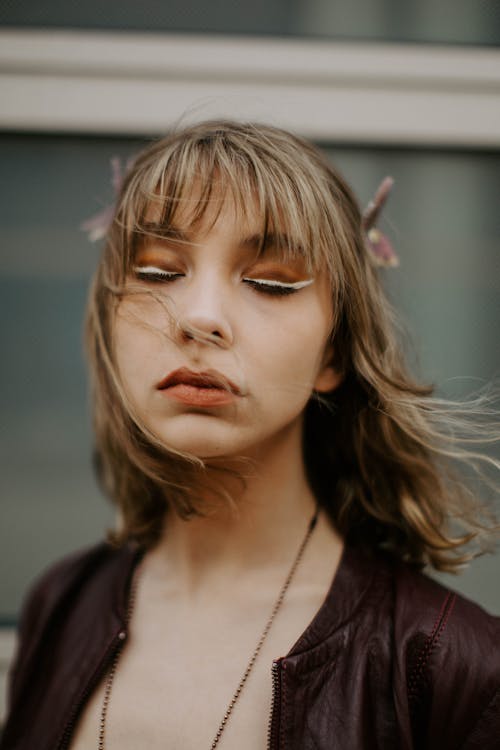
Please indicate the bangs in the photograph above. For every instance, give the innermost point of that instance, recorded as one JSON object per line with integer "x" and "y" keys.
{"x": 186, "y": 180}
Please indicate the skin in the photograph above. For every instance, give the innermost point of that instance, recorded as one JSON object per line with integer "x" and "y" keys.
{"x": 221, "y": 574}
{"x": 273, "y": 348}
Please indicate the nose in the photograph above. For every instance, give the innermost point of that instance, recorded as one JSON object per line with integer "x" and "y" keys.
{"x": 202, "y": 316}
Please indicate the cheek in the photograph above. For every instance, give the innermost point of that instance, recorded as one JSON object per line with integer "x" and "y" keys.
{"x": 136, "y": 347}
{"x": 289, "y": 355}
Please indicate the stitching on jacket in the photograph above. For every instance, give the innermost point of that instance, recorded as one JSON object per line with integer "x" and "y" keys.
{"x": 431, "y": 642}
{"x": 423, "y": 656}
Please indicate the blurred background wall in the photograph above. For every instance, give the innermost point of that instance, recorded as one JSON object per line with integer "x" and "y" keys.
{"x": 385, "y": 86}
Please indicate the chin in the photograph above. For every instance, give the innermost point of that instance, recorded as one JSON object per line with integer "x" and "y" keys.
{"x": 196, "y": 443}
{"x": 209, "y": 449}
{"x": 207, "y": 438}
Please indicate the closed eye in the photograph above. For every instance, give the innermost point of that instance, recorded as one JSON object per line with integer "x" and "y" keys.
{"x": 277, "y": 288}
{"x": 153, "y": 273}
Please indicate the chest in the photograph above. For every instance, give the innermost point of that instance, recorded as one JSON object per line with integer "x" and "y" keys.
{"x": 167, "y": 703}
{"x": 178, "y": 672}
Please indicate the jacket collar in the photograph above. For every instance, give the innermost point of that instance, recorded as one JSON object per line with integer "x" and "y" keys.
{"x": 353, "y": 582}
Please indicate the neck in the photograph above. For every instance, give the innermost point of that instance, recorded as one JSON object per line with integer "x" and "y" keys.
{"x": 261, "y": 527}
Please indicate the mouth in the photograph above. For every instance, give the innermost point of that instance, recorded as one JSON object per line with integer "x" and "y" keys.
{"x": 208, "y": 388}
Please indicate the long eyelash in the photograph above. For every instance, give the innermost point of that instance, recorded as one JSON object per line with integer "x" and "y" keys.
{"x": 270, "y": 286}
{"x": 152, "y": 273}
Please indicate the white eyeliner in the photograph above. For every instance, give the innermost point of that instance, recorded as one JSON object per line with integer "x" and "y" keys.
{"x": 264, "y": 282}
{"x": 155, "y": 270}
{"x": 282, "y": 284}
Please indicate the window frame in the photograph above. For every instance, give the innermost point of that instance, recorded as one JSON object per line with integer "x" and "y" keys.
{"x": 141, "y": 84}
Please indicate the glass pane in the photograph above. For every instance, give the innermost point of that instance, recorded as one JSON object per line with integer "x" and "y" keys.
{"x": 443, "y": 21}
{"x": 443, "y": 218}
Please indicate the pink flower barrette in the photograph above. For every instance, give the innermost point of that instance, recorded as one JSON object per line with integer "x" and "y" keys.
{"x": 378, "y": 245}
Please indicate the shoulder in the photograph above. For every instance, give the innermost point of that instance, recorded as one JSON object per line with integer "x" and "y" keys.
{"x": 419, "y": 598}
{"x": 448, "y": 659}
{"x": 63, "y": 573}
{"x": 425, "y": 607}
{"x": 90, "y": 566}
{"x": 70, "y": 590}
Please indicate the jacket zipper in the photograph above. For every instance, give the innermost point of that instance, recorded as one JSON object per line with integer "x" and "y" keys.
{"x": 111, "y": 652}
{"x": 274, "y": 718}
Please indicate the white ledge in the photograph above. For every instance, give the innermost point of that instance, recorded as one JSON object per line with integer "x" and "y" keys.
{"x": 140, "y": 84}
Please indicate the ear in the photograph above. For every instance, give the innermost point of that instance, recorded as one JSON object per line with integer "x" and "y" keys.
{"x": 329, "y": 378}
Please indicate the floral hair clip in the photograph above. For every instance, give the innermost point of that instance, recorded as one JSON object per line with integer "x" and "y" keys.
{"x": 378, "y": 244}
{"x": 97, "y": 226}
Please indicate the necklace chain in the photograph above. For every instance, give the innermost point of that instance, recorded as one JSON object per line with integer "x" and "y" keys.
{"x": 249, "y": 667}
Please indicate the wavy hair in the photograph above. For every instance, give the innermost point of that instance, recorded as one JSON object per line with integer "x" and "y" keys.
{"x": 380, "y": 451}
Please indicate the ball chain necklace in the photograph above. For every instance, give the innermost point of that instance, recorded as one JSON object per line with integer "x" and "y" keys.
{"x": 253, "y": 658}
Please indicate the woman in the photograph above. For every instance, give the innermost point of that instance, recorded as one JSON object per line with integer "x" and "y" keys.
{"x": 280, "y": 481}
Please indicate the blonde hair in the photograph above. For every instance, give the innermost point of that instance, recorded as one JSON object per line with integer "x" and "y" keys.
{"x": 380, "y": 449}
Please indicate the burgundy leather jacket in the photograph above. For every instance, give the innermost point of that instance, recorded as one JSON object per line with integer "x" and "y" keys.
{"x": 391, "y": 660}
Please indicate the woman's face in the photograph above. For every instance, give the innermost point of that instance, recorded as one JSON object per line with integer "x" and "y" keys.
{"x": 219, "y": 347}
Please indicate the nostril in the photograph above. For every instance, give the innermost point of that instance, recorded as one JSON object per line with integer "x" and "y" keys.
{"x": 204, "y": 331}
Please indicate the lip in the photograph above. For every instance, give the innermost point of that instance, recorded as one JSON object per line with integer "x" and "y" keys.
{"x": 205, "y": 389}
